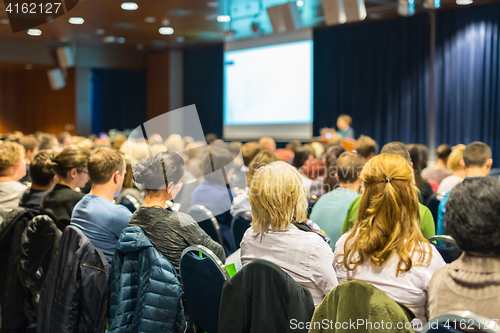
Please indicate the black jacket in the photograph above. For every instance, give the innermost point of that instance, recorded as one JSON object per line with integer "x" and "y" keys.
{"x": 12, "y": 292}
{"x": 32, "y": 199}
{"x": 263, "y": 298}
{"x": 75, "y": 291}
{"x": 39, "y": 243}
{"x": 58, "y": 203}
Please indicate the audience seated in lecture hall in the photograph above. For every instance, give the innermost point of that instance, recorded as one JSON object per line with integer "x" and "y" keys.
{"x": 385, "y": 246}
{"x": 472, "y": 282}
{"x": 70, "y": 165}
{"x": 12, "y": 169}
{"x": 477, "y": 162}
{"x": 278, "y": 234}
{"x": 95, "y": 214}
{"x": 42, "y": 179}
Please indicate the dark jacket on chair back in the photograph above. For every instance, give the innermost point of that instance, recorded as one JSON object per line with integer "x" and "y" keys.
{"x": 12, "y": 292}
{"x": 145, "y": 291}
{"x": 39, "y": 244}
{"x": 75, "y": 291}
{"x": 263, "y": 298}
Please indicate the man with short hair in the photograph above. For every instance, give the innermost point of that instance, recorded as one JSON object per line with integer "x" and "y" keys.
{"x": 426, "y": 220}
{"x": 366, "y": 147}
{"x": 42, "y": 180}
{"x": 439, "y": 171}
{"x": 30, "y": 144}
{"x": 330, "y": 210}
{"x": 95, "y": 214}
{"x": 477, "y": 162}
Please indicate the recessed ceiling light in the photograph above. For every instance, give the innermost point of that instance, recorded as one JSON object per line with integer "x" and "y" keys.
{"x": 300, "y": 3}
{"x": 121, "y": 40}
{"x": 76, "y": 20}
{"x": 129, "y": 6}
{"x": 4, "y": 21}
{"x": 34, "y": 32}
{"x": 166, "y": 30}
{"x": 212, "y": 4}
{"x": 150, "y": 19}
{"x": 223, "y": 18}
{"x": 100, "y": 31}
{"x": 180, "y": 39}
{"x": 464, "y": 2}
{"x": 28, "y": 66}
{"x": 109, "y": 39}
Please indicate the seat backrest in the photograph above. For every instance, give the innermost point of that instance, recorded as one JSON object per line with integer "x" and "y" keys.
{"x": 203, "y": 276}
{"x": 261, "y": 297}
{"x": 461, "y": 321}
{"x": 447, "y": 247}
{"x": 356, "y": 301}
{"x": 433, "y": 205}
{"x": 206, "y": 221}
{"x": 239, "y": 225}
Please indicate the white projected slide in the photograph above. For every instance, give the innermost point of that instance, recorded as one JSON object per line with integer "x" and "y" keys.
{"x": 269, "y": 85}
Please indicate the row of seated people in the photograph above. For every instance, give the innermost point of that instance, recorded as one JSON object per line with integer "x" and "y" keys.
{"x": 279, "y": 198}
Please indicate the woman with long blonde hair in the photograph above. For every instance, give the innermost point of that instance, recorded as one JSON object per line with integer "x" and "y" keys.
{"x": 386, "y": 247}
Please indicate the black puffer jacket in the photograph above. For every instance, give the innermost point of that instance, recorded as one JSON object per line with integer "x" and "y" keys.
{"x": 75, "y": 291}
{"x": 12, "y": 292}
{"x": 39, "y": 243}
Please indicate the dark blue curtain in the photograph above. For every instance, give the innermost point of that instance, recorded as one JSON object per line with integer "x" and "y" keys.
{"x": 203, "y": 85}
{"x": 467, "y": 76}
{"x": 378, "y": 74}
{"x": 118, "y": 99}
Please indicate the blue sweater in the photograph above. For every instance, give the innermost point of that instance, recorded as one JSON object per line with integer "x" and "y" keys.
{"x": 101, "y": 221}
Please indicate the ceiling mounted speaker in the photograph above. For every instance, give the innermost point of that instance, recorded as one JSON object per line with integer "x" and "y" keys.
{"x": 355, "y": 10}
{"x": 56, "y": 78}
{"x": 65, "y": 57}
{"x": 285, "y": 17}
{"x": 333, "y": 11}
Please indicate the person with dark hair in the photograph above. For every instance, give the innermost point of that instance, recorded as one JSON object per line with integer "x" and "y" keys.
{"x": 472, "y": 282}
{"x": 366, "y": 147}
{"x": 438, "y": 172}
{"x": 70, "y": 165}
{"x": 64, "y": 139}
{"x": 424, "y": 188}
{"x": 30, "y": 144}
{"x": 330, "y": 210}
{"x": 96, "y": 215}
{"x": 170, "y": 232}
{"x": 330, "y": 181}
{"x": 42, "y": 180}
{"x": 12, "y": 169}
{"x": 426, "y": 219}
{"x": 213, "y": 193}
{"x": 477, "y": 162}
{"x": 47, "y": 142}
{"x": 302, "y": 154}
{"x": 210, "y": 137}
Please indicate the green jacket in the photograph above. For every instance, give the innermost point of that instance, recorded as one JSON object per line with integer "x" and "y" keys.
{"x": 426, "y": 219}
{"x": 355, "y": 306}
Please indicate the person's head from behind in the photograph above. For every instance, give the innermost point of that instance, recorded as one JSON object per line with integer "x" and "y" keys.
{"x": 47, "y": 142}
{"x": 349, "y": 166}
{"x": 473, "y": 216}
{"x": 161, "y": 174}
{"x": 278, "y": 197}
{"x": 214, "y": 161}
{"x": 70, "y": 165}
{"x": 344, "y": 121}
{"x": 292, "y": 145}
{"x": 107, "y": 169}
{"x": 267, "y": 144}
{"x": 302, "y": 154}
{"x": 175, "y": 143}
{"x": 128, "y": 181}
{"x": 417, "y": 157}
{"x": 331, "y": 181}
{"x": 388, "y": 218}
{"x": 261, "y": 159}
{"x": 210, "y": 137}
{"x": 64, "y": 139}
{"x": 477, "y": 159}
{"x": 41, "y": 176}
{"x": 249, "y": 150}
{"x": 366, "y": 147}
{"x": 396, "y": 148}
{"x": 455, "y": 158}
{"x": 442, "y": 152}
{"x": 30, "y": 144}
{"x": 12, "y": 163}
